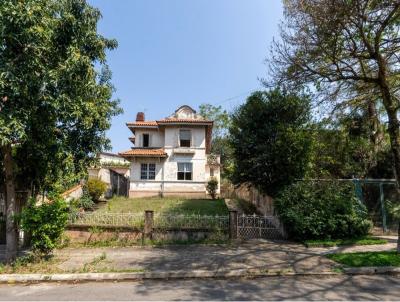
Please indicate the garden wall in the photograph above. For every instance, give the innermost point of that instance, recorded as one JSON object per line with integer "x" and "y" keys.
{"x": 86, "y": 234}
{"x": 262, "y": 202}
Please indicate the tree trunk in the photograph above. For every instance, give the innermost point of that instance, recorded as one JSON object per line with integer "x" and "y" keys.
{"x": 11, "y": 227}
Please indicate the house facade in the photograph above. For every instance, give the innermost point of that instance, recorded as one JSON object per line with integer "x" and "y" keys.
{"x": 171, "y": 156}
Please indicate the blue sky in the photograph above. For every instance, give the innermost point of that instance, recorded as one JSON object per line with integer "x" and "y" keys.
{"x": 175, "y": 52}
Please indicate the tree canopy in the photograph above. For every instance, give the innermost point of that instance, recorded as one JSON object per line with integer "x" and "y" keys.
{"x": 270, "y": 141}
{"x": 55, "y": 93}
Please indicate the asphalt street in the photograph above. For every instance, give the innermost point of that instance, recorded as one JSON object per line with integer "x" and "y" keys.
{"x": 373, "y": 287}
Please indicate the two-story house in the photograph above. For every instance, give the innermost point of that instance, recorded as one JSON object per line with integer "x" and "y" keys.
{"x": 171, "y": 156}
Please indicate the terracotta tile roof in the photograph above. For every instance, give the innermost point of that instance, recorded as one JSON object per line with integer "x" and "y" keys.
{"x": 141, "y": 152}
{"x": 143, "y": 124}
{"x": 167, "y": 121}
{"x": 189, "y": 121}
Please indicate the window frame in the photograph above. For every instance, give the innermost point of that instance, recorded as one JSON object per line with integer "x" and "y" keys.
{"x": 149, "y": 172}
{"x": 143, "y": 140}
{"x": 186, "y": 172}
{"x": 190, "y": 138}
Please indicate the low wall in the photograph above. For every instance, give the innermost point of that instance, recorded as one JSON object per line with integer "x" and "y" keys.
{"x": 262, "y": 202}
{"x": 85, "y": 234}
{"x": 74, "y": 193}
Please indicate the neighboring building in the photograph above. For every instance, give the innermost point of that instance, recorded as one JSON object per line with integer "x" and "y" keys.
{"x": 114, "y": 170}
{"x": 171, "y": 156}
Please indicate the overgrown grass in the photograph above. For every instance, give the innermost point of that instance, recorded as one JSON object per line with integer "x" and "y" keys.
{"x": 339, "y": 242}
{"x": 50, "y": 265}
{"x": 165, "y": 206}
{"x": 391, "y": 258}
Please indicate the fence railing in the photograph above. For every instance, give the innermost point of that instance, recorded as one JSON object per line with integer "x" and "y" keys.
{"x": 242, "y": 226}
{"x": 107, "y": 219}
{"x": 218, "y": 222}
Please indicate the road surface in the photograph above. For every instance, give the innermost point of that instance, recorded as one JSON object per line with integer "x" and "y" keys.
{"x": 375, "y": 287}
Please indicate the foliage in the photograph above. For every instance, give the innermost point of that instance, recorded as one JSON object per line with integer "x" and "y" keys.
{"x": 367, "y": 240}
{"x": 60, "y": 80}
{"x": 212, "y": 187}
{"x": 322, "y": 210}
{"x": 45, "y": 223}
{"x": 347, "y": 52}
{"x": 96, "y": 188}
{"x": 85, "y": 202}
{"x": 342, "y": 148}
{"x": 367, "y": 259}
{"x": 55, "y": 94}
{"x": 270, "y": 141}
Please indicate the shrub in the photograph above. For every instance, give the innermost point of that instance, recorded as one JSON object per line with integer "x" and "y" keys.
{"x": 96, "y": 188}
{"x": 212, "y": 186}
{"x": 45, "y": 223}
{"x": 321, "y": 210}
{"x": 85, "y": 202}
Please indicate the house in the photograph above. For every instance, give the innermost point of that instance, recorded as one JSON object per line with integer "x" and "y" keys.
{"x": 114, "y": 170}
{"x": 171, "y": 156}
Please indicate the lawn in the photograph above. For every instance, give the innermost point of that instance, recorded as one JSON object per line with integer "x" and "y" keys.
{"x": 165, "y": 206}
{"x": 368, "y": 240}
{"x": 367, "y": 259}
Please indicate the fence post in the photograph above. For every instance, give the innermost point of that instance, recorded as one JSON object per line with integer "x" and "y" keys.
{"x": 148, "y": 224}
{"x": 233, "y": 221}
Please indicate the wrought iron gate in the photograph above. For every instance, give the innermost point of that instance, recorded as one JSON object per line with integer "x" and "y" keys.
{"x": 254, "y": 226}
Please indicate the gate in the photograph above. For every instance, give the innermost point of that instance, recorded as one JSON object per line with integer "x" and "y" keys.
{"x": 119, "y": 184}
{"x": 254, "y": 226}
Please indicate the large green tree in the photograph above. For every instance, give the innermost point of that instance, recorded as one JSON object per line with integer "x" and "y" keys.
{"x": 55, "y": 94}
{"x": 347, "y": 50}
{"x": 270, "y": 140}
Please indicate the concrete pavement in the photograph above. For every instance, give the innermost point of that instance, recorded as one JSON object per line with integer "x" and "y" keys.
{"x": 374, "y": 287}
{"x": 257, "y": 254}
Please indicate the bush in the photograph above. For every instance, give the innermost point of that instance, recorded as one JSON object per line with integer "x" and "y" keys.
{"x": 96, "y": 188}
{"x": 212, "y": 186}
{"x": 85, "y": 202}
{"x": 322, "y": 210}
{"x": 45, "y": 223}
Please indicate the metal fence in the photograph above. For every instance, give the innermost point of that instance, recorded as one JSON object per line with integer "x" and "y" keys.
{"x": 170, "y": 221}
{"x": 254, "y": 226}
{"x": 107, "y": 219}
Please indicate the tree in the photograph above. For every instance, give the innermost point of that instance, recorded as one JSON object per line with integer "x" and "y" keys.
{"x": 220, "y": 143}
{"x": 55, "y": 103}
{"x": 348, "y": 51}
{"x": 270, "y": 141}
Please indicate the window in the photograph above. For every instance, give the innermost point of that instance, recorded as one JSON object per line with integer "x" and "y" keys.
{"x": 185, "y": 171}
{"x": 148, "y": 171}
{"x": 211, "y": 172}
{"x": 146, "y": 140}
{"x": 185, "y": 137}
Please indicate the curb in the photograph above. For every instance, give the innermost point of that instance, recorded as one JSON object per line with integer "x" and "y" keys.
{"x": 160, "y": 275}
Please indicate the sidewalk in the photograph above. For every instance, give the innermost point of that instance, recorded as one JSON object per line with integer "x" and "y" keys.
{"x": 256, "y": 254}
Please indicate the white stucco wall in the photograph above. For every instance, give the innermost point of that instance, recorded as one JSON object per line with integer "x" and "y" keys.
{"x": 167, "y": 168}
{"x": 156, "y": 137}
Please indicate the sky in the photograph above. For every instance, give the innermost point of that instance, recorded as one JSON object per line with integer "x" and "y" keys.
{"x": 176, "y": 52}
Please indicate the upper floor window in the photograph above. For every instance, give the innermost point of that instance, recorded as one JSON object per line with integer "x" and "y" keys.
{"x": 146, "y": 140}
{"x": 185, "y": 137}
{"x": 148, "y": 171}
{"x": 185, "y": 171}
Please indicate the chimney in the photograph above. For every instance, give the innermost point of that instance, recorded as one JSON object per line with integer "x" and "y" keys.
{"x": 140, "y": 117}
